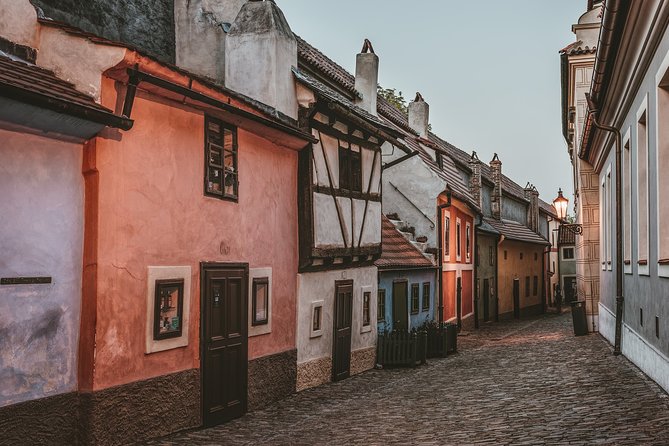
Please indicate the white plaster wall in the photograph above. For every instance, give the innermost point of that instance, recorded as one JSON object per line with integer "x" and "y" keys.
{"x": 367, "y": 170}
{"x": 327, "y": 229}
{"x": 320, "y": 286}
{"x": 331, "y": 154}
{"x": 199, "y": 35}
{"x": 422, "y": 186}
{"x": 18, "y": 22}
{"x": 77, "y": 60}
{"x": 371, "y": 234}
{"x": 41, "y": 234}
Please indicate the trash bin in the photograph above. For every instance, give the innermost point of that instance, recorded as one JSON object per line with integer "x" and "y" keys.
{"x": 578, "y": 317}
{"x": 451, "y": 338}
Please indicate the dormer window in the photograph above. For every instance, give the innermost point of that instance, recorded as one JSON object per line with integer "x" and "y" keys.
{"x": 350, "y": 169}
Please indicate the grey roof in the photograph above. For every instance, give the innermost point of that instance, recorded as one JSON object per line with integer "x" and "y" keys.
{"x": 487, "y": 227}
{"x": 513, "y": 230}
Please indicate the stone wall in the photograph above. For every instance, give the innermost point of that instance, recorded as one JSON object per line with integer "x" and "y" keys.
{"x": 272, "y": 378}
{"x": 314, "y": 373}
{"x": 363, "y": 360}
{"x": 144, "y": 24}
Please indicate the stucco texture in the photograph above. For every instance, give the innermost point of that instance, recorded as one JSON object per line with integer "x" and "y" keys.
{"x": 516, "y": 268}
{"x": 386, "y": 279}
{"x": 42, "y": 235}
{"x": 320, "y": 286}
{"x": 152, "y": 211}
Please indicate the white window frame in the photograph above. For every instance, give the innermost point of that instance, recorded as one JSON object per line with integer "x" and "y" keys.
{"x": 458, "y": 239}
{"x": 662, "y": 270}
{"x": 316, "y": 333}
{"x": 257, "y": 273}
{"x": 447, "y": 217}
{"x": 372, "y": 311}
{"x": 643, "y": 270}
{"x": 468, "y": 242}
{"x": 628, "y": 252}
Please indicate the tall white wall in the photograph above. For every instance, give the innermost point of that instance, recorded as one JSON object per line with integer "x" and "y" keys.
{"x": 41, "y": 234}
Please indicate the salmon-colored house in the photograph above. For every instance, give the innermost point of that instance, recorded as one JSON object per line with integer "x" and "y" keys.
{"x": 190, "y": 247}
{"x": 456, "y": 220}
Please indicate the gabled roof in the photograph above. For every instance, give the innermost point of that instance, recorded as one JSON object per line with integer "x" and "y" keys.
{"x": 27, "y": 83}
{"x": 513, "y": 230}
{"x": 398, "y": 252}
{"x": 577, "y": 48}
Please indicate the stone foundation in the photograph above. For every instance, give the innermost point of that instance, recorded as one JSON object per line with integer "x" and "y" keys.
{"x": 314, "y": 373}
{"x": 363, "y": 360}
{"x": 272, "y": 378}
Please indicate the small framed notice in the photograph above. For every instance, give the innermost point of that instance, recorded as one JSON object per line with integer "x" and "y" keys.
{"x": 168, "y": 308}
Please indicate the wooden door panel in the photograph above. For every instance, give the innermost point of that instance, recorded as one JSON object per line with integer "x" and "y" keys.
{"x": 341, "y": 360}
{"x": 400, "y": 305}
{"x": 224, "y": 342}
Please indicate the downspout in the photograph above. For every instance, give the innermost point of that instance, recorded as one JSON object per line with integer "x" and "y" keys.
{"x": 501, "y": 240}
{"x": 440, "y": 254}
{"x": 476, "y": 270}
{"x": 592, "y": 110}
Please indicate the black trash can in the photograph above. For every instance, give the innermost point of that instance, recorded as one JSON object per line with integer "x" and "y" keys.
{"x": 578, "y": 317}
{"x": 451, "y": 338}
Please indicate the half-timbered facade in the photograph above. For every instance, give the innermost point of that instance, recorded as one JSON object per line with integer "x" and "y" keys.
{"x": 339, "y": 199}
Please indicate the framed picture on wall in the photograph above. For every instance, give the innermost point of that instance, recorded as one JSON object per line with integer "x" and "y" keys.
{"x": 168, "y": 309}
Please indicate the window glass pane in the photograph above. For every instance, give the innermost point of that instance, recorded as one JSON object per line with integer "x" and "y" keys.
{"x": 344, "y": 169}
{"x": 316, "y": 324}
{"x": 215, "y": 177}
{"x": 426, "y": 296}
{"x": 381, "y": 304}
{"x": 261, "y": 302}
{"x": 356, "y": 172}
{"x": 366, "y": 297}
{"x": 221, "y": 157}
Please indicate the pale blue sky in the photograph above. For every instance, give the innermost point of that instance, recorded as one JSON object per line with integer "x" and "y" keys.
{"x": 489, "y": 69}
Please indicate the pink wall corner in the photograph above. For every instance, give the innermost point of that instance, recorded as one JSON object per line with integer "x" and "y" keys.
{"x": 153, "y": 212}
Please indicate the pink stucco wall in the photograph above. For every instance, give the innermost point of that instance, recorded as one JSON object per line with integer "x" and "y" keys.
{"x": 153, "y": 212}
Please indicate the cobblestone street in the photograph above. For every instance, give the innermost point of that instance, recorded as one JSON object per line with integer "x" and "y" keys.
{"x": 529, "y": 382}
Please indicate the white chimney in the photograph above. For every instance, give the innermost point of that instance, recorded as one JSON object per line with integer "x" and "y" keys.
{"x": 260, "y": 51}
{"x": 367, "y": 77}
{"x": 419, "y": 116}
{"x": 200, "y": 28}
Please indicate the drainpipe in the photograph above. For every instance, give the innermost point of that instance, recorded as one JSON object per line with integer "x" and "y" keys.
{"x": 476, "y": 271}
{"x": 501, "y": 240}
{"x": 440, "y": 254}
{"x": 592, "y": 110}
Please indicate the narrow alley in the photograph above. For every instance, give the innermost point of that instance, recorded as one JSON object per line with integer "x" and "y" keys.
{"x": 525, "y": 382}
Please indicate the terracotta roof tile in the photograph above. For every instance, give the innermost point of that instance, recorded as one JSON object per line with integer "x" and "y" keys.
{"x": 33, "y": 79}
{"x": 513, "y": 230}
{"x": 398, "y": 252}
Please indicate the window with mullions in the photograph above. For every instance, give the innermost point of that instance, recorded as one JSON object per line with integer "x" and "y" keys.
{"x": 381, "y": 305}
{"x": 221, "y": 159}
{"x": 350, "y": 170}
{"x": 426, "y": 296}
{"x": 415, "y": 291}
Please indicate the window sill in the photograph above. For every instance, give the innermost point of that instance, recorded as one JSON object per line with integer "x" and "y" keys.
{"x": 642, "y": 262}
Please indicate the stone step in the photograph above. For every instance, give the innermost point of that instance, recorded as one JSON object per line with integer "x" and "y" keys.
{"x": 420, "y": 245}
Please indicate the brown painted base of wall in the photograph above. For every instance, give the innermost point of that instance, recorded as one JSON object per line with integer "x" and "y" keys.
{"x": 119, "y": 415}
{"x": 272, "y": 378}
{"x": 363, "y": 360}
{"x": 534, "y": 310}
{"x": 46, "y": 421}
{"x": 314, "y": 373}
{"x": 468, "y": 323}
{"x": 142, "y": 410}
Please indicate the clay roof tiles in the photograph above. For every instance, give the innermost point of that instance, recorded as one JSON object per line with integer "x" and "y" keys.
{"x": 513, "y": 230}
{"x": 398, "y": 252}
{"x": 35, "y": 80}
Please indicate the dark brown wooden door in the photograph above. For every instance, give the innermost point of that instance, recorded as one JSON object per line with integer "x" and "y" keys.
{"x": 486, "y": 300}
{"x": 400, "y": 305}
{"x": 516, "y": 298}
{"x": 224, "y": 359}
{"x": 341, "y": 359}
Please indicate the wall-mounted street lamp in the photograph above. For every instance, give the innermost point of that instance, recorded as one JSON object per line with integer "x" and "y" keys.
{"x": 561, "y": 203}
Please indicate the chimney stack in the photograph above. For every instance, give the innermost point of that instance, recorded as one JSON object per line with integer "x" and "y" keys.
{"x": 419, "y": 116}
{"x": 367, "y": 77}
{"x": 475, "y": 178}
{"x": 260, "y": 51}
{"x": 200, "y": 28}
{"x": 532, "y": 195}
{"x": 496, "y": 199}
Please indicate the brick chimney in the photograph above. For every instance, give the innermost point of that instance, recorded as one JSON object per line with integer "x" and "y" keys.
{"x": 475, "y": 178}
{"x": 419, "y": 115}
{"x": 496, "y": 199}
{"x": 367, "y": 77}
{"x": 200, "y": 28}
{"x": 532, "y": 195}
{"x": 260, "y": 50}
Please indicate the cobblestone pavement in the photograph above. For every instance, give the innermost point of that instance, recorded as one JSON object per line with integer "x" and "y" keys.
{"x": 524, "y": 383}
